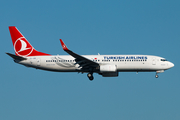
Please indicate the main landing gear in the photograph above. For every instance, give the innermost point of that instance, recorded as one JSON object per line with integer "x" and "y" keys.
{"x": 90, "y": 76}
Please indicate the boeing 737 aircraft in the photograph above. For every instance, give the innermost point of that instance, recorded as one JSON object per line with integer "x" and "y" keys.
{"x": 105, "y": 65}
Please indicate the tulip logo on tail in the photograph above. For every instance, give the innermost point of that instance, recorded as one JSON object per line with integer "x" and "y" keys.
{"x": 22, "y": 47}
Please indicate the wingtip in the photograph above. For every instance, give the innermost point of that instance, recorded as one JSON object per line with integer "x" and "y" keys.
{"x": 63, "y": 45}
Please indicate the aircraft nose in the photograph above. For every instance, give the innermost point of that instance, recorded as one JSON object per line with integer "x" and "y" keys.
{"x": 170, "y": 64}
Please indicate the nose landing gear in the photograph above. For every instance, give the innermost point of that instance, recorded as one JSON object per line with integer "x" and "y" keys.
{"x": 90, "y": 76}
{"x": 159, "y": 71}
{"x": 156, "y": 75}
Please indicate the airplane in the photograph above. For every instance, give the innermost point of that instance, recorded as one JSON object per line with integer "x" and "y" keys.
{"x": 105, "y": 65}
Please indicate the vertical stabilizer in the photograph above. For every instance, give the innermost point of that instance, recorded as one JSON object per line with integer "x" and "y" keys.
{"x": 21, "y": 46}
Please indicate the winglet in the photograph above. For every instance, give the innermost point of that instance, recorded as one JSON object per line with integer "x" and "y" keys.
{"x": 63, "y": 45}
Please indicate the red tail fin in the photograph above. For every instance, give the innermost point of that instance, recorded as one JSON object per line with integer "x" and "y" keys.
{"x": 21, "y": 46}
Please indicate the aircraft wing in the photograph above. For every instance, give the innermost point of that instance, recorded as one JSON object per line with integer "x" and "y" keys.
{"x": 82, "y": 61}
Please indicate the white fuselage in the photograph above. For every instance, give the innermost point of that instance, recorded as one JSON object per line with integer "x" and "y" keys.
{"x": 124, "y": 63}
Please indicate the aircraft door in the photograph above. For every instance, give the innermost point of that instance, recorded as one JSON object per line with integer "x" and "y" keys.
{"x": 38, "y": 62}
{"x": 154, "y": 61}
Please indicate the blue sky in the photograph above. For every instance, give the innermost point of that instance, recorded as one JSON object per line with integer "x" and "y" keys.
{"x": 91, "y": 27}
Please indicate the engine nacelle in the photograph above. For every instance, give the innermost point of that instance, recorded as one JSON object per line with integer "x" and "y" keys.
{"x": 108, "y": 70}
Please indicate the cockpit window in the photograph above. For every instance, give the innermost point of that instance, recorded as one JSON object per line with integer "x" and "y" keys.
{"x": 163, "y": 60}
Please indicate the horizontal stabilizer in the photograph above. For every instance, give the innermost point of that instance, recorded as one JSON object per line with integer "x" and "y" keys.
{"x": 15, "y": 57}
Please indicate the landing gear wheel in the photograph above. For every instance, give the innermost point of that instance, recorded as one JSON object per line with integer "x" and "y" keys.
{"x": 90, "y": 76}
{"x": 156, "y": 76}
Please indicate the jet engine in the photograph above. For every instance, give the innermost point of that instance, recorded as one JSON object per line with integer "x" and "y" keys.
{"x": 108, "y": 70}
